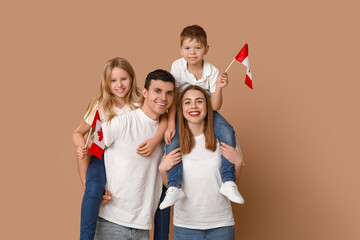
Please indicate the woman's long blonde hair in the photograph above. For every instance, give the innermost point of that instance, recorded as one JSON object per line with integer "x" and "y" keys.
{"x": 104, "y": 99}
{"x": 186, "y": 137}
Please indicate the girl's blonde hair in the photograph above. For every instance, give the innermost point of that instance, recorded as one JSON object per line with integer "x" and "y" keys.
{"x": 104, "y": 99}
{"x": 186, "y": 137}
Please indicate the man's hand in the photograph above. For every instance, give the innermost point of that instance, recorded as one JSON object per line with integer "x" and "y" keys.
{"x": 106, "y": 197}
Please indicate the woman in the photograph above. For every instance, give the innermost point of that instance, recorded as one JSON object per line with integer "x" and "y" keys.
{"x": 204, "y": 213}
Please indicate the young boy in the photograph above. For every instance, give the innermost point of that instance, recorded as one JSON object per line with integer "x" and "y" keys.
{"x": 192, "y": 69}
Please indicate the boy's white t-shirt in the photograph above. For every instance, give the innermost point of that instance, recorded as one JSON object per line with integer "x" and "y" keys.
{"x": 134, "y": 181}
{"x": 203, "y": 207}
{"x": 184, "y": 78}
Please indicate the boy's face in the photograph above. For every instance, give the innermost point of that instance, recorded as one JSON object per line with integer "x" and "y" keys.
{"x": 193, "y": 51}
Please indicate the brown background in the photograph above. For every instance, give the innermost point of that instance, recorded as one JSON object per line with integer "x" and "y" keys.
{"x": 298, "y": 129}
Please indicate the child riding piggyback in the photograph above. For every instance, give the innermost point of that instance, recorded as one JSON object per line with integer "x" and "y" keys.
{"x": 192, "y": 69}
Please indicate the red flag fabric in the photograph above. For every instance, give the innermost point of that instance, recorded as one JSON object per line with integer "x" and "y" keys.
{"x": 243, "y": 57}
{"x": 97, "y": 147}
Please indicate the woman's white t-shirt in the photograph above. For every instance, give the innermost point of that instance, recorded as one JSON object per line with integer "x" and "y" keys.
{"x": 203, "y": 207}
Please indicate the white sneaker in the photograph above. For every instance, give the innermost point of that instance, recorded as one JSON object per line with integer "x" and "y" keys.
{"x": 229, "y": 189}
{"x": 173, "y": 194}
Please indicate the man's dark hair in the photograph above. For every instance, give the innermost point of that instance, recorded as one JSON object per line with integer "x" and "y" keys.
{"x": 158, "y": 74}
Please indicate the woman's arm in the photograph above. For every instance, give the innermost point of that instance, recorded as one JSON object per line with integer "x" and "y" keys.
{"x": 234, "y": 156}
{"x": 167, "y": 162}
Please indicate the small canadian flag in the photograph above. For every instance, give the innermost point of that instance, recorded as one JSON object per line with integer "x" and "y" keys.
{"x": 97, "y": 147}
{"x": 243, "y": 57}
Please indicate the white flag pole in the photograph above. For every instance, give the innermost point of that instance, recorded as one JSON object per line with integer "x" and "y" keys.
{"x": 87, "y": 140}
{"x": 230, "y": 65}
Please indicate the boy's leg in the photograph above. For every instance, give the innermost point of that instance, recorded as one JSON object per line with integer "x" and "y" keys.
{"x": 174, "y": 192}
{"x": 162, "y": 221}
{"x": 175, "y": 173}
{"x": 94, "y": 189}
{"x": 225, "y": 133}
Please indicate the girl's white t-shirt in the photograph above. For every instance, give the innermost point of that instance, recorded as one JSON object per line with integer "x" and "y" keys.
{"x": 103, "y": 116}
{"x": 203, "y": 207}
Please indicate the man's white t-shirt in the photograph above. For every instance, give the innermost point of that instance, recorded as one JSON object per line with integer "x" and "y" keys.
{"x": 203, "y": 207}
{"x": 183, "y": 77}
{"x": 134, "y": 181}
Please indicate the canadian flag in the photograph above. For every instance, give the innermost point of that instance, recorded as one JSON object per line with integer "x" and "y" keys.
{"x": 97, "y": 147}
{"x": 243, "y": 57}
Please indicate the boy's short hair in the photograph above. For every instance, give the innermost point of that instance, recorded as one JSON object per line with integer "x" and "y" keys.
{"x": 193, "y": 32}
{"x": 159, "y": 74}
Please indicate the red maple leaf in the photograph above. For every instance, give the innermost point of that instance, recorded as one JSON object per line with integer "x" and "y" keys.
{"x": 100, "y": 134}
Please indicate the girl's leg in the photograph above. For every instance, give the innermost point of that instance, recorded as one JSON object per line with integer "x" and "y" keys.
{"x": 162, "y": 221}
{"x": 94, "y": 189}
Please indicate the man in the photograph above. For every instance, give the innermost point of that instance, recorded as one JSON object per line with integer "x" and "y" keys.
{"x": 133, "y": 180}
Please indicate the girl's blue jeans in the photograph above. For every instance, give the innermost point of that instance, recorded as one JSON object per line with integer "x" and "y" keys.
{"x": 224, "y": 132}
{"x": 94, "y": 190}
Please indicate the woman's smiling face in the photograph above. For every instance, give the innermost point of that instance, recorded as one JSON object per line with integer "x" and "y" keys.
{"x": 194, "y": 106}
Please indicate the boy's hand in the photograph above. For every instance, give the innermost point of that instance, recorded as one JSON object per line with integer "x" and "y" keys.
{"x": 146, "y": 148}
{"x": 222, "y": 81}
{"x": 169, "y": 134}
{"x": 81, "y": 152}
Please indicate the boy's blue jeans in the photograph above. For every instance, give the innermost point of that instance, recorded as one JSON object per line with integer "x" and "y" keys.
{"x": 94, "y": 190}
{"x": 224, "y": 132}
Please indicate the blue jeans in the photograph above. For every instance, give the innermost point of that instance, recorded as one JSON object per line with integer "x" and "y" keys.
{"x": 223, "y": 233}
{"x": 224, "y": 132}
{"x": 106, "y": 230}
{"x": 94, "y": 190}
{"x": 162, "y": 221}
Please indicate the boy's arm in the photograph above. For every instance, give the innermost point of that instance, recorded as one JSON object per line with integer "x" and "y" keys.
{"x": 216, "y": 97}
{"x": 147, "y": 147}
{"x": 171, "y": 130}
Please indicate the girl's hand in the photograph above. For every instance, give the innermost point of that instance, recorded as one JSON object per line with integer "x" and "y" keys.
{"x": 81, "y": 152}
{"x": 146, "y": 148}
{"x": 232, "y": 154}
{"x": 106, "y": 197}
{"x": 169, "y": 134}
{"x": 170, "y": 160}
{"x": 222, "y": 81}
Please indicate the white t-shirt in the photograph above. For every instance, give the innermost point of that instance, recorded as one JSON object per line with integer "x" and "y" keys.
{"x": 184, "y": 78}
{"x": 103, "y": 116}
{"x": 203, "y": 207}
{"x": 134, "y": 181}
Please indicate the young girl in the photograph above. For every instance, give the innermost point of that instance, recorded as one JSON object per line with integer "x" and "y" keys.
{"x": 118, "y": 93}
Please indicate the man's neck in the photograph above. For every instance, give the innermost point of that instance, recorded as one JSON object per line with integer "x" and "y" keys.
{"x": 149, "y": 113}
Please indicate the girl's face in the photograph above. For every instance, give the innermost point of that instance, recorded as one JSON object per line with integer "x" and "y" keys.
{"x": 194, "y": 106}
{"x": 120, "y": 82}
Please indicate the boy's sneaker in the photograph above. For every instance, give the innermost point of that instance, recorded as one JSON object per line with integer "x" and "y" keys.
{"x": 173, "y": 194}
{"x": 229, "y": 189}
